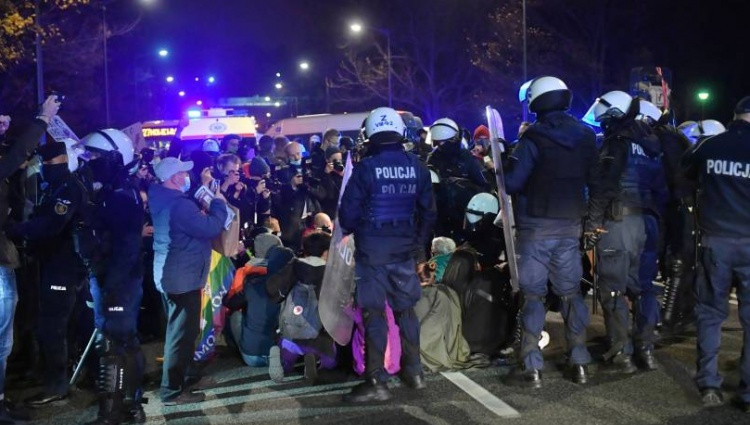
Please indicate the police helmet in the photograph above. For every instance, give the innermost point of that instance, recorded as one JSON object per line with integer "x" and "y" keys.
{"x": 111, "y": 140}
{"x": 546, "y": 94}
{"x": 444, "y": 129}
{"x": 75, "y": 150}
{"x": 705, "y": 128}
{"x": 382, "y": 120}
{"x": 611, "y": 105}
{"x": 649, "y": 112}
{"x": 481, "y": 204}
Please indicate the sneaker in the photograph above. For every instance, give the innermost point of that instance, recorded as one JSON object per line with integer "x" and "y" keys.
{"x": 185, "y": 397}
{"x": 711, "y": 397}
{"x": 275, "y": 369}
{"x": 543, "y": 340}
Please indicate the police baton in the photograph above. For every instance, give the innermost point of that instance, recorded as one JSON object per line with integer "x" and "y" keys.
{"x": 79, "y": 366}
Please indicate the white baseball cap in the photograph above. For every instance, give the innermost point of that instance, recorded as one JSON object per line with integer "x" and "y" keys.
{"x": 170, "y": 166}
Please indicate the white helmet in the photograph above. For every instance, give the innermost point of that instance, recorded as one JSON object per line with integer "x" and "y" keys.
{"x": 384, "y": 119}
{"x": 686, "y": 127}
{"x": 75, "y": 150}
{"x": 109, "y": 140}
{"x": 705, "y": 128}
{"x": 648, "y": 111}
{"x": 546, "y": 94}
{"x": 444, "y": 129}
{"x": 614, "y": 104}
{"x": 481, "y": 204}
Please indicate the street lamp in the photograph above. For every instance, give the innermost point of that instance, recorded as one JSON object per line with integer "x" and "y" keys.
{"x": 304, "y": 66}
{"x": 357, "y": 28}
{"x": 279, "y": 86}
{"x": 163, "y": 53}
{"x": 702, "y": 98}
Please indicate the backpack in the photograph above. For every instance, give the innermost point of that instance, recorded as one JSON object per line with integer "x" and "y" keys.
{"x": 299, "y": 318}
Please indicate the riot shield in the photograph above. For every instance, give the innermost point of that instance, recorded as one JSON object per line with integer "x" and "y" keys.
{"x": 336, "y": 304}
{"x": 495, "y": 124}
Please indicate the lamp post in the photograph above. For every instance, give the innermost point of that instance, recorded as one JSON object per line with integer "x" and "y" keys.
{"x": 525, "y": 75}
{"x": 357, "y": 28}
{"x": 702, "y": 98}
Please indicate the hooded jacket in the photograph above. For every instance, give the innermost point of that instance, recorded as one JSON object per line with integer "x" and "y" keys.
{"x": 549, "y": 171}
{"x": 182, "y": 239}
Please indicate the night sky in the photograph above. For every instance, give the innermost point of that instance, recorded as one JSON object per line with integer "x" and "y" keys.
{"x": 243, "y": 43}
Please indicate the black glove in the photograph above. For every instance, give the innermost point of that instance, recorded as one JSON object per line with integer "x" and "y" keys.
{"x": 590, "y": 239}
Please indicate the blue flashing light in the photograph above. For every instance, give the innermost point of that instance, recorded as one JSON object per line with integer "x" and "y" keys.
{"x": 211, "y": 79}
{"x": 194, "y": 113}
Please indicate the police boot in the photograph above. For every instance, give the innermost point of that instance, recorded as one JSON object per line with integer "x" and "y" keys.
{"x": 110, "y": 384}
{"x": 531, "y": 378}
{"x": 578, "y": 373}
{"x": 415, "y": 382}
{"x": 368, "y": 391}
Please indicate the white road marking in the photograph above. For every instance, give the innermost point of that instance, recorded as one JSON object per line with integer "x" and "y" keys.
{"x": 484, "y": 397}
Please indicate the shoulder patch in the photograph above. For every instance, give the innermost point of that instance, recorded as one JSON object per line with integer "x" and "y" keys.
{"x": 61, "y": 208}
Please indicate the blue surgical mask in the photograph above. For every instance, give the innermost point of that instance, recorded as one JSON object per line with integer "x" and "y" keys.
{"x": 296, "y": 162}
{"x": 186, "y": 185}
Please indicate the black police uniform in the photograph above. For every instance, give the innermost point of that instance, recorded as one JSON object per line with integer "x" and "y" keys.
{"x": 548, "y": 172}
{"x": 721, "y": 165}
{"x": 627, "y": 199}
{"x": 116, "y": 282}
{"x": 679, "y": 250}
{"x": 63, "y": 275}
{"x": 389, "y": 206}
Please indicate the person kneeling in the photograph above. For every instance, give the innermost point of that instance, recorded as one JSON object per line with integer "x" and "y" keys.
{"x": 298, "y": 285}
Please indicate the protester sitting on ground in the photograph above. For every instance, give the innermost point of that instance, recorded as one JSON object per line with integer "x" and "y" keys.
{"x": 298, "y": 286}
{"x": 442, "y": 248}
{"x": 260, "y": 315}
{"x": 320, "y": 222}
{"x": 442, "y": 344}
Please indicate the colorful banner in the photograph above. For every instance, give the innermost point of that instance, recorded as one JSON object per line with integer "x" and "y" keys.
{"x": 212, "y": 312}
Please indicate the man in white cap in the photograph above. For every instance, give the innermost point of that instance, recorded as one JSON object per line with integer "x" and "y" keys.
{"x": 182, "y": 254}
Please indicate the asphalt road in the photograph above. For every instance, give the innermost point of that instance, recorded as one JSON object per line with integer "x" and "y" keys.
{"x": 245, "y": 395}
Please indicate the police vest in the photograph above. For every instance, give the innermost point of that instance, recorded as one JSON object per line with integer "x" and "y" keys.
{"x": 393, "y": 194}
{"x": 641, "y": 172}
{"x": 557, "y": 187}
{"x": 724, "y": 196}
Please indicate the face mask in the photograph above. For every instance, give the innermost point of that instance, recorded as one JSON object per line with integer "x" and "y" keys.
{"x": 297, "y": 162}
{"x": 55, "y": 172}
{"x": 186, "y": 185}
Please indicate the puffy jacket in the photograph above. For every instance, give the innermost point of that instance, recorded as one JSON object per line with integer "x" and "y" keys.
{"x": 182, "y": 239}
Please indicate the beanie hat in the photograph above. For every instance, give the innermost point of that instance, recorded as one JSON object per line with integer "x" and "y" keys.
{"x": 210, "y": 145}
{"x": 481, "y": 132}
{"x": 258, "y": 167}
{"x": 263, "y": 242}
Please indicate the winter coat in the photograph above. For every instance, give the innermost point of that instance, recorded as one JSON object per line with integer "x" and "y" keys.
{"x": 182, "y": 239}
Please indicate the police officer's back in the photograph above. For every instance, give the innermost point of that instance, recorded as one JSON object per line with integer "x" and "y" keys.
{"x": 721, "y": 165}
{"x": 389, "y": 207}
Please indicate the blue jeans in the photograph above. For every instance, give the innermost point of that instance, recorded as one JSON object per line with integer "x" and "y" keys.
{"x": 559, "y": 261}
{"x": 721, "y": 259}
{"x": 8, "y": 300}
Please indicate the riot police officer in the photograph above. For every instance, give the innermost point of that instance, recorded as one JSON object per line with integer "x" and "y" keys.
{"x": 679, "y": 250}
{"x": 721, "y": 166}
{"x": 388, "y": 205}
{"x": 548, "y": 172}
{"x": 450, "y": 158}
{"x": 627, "y": 200}
{"x": 110, "y": 245}
{"x": 63, "y": 276}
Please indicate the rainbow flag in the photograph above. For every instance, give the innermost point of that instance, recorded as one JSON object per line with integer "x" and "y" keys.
{"x": 212, "y": 312}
